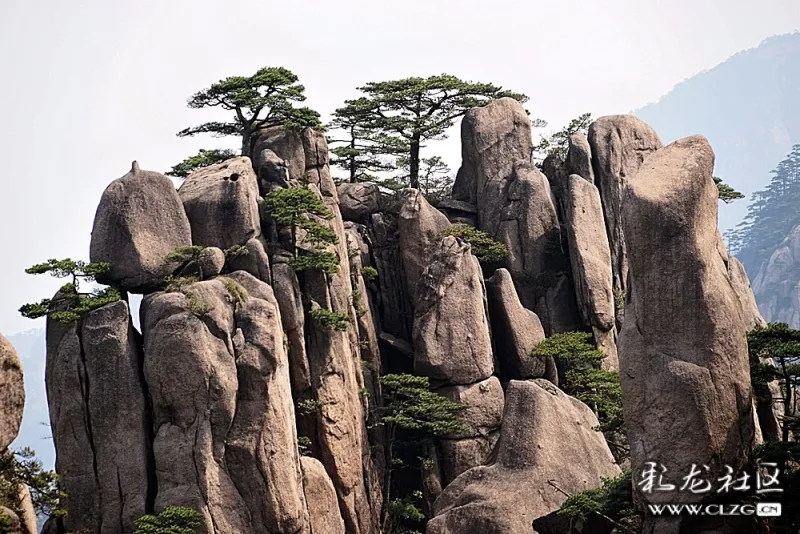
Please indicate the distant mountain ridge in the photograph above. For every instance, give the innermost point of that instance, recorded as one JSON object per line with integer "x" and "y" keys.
{"x": 749, "y": 109}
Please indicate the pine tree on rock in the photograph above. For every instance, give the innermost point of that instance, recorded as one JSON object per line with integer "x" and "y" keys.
{"x": 403, "y": 115}
{"x": 264, "y": 99}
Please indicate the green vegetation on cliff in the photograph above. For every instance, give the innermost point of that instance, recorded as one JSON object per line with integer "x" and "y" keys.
{"x": 771, "y": 215}
{"x": 21, "y": 468}
{"x": 71, "y": 303}
{"x": 485, "y": 248}
{"x": 780, "y": 345}
{"x": 297, "y": 207}
{"x": 173, "y": 520}
{"x": 397, "y": 118}
{"x": 585, "y": 380}
{"x": 262, "y": 100}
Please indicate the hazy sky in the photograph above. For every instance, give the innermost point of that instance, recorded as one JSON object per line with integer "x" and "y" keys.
{"x": 89, "y": 86}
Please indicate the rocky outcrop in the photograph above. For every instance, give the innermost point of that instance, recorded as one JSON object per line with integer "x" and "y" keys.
{"x": 290, "y": 301}
{"x": 100, "y": 420}
{"x": 768, "y": 398}
{"x": 323, "y": 509}
{"x": 540, "y": 423}
{"x": 420, "y": 228}
{"x": 333, "y": 356}
{"x": 191, "y": 372}
{"x": 590, "y": 256}
{"x": 358, "y": 201}
{"x": 264, "y": 465}
{"x": 451, "y": 328}
{"x": 12, "y": 393}
{"x": 221, "y": 202}
{"x": 741, "y": 286}
{"x": 516, "y": 206}
{"x": 494, "y": 139}
{"x": 208, "y": 264}
{"x": 777, "y": 285}
{"x": 12, "y": 404}
{"x": 516, "y": 331}
{"x": 139, "y": 221}
{"x": 394, "y": 302}
{"x": 366, "y": 312}
{"x": 218, "y": 375}
{"x": 480, "y": 422}
{"x": 619, "y": 144}
{"x": 579, "y": 157}
{"x": 27, "y": 516}
{"x": 252, "y": 259}
{"x": 278, "y": 156}
{"x": 686, "y": 395}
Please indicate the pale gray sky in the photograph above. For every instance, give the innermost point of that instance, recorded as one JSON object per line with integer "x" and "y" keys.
{"x": 88, "y": 86}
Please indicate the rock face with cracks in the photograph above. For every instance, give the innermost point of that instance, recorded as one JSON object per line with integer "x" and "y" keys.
{"x": 777, "y": 285}
{"x": 540, "y": 423}
{"x": 516, "y": 207}
{"x": 333, "y": 357}
{"x": 200, "y": 409}
{"x": 683, "y": 347}
{"x": 100, "y": 421}
{"x": 448, "y": 347}
{"x": 420, "y": 228}
{"x": 221, "y": 202}
{"x": 619, "y": 144}
{"x": 218, "y": 374}
{"x": 590, "y": 256}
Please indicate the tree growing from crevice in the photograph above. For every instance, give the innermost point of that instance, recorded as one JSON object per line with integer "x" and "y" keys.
{"x": 727, "y": 194}
{"x": 297, "y": 208}
{"x": 399, "y": 117}
{"x": 557, "y": 143}
{"x": 486, "y": 249}
{"x": 71, "y": 303}
{"x": 410, "y": 406}
{"x": 267, "y": 98}
{"x": 204, "y": 158}
{"x": 188, "y": 255}
{"x": 585, "y": 380}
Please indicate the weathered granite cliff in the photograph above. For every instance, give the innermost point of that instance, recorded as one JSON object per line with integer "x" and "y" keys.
{"x": 253, "y": 395}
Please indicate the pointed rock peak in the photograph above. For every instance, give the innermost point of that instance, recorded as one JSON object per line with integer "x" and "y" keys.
{"x": 135, "y": 167}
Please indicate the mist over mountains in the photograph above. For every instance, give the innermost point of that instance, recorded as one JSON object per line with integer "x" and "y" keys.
{"x": 749, "y": 109}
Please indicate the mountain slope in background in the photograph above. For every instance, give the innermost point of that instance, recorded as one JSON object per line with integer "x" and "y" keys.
{"x": 35, "y": 431}
{"x": 749, "y": 109}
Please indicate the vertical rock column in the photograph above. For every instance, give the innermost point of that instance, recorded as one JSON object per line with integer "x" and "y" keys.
{"x": 285, "y": 157}
{"x": 515, "y": 206}
{"x": 590, "y": 256}
{"x": 452, "y": 346}
{"x": 619, "y": 144}
{"x": 683, "y": 347}
{"x": 100, "y": 421}
{"x": 191, "y": 372}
